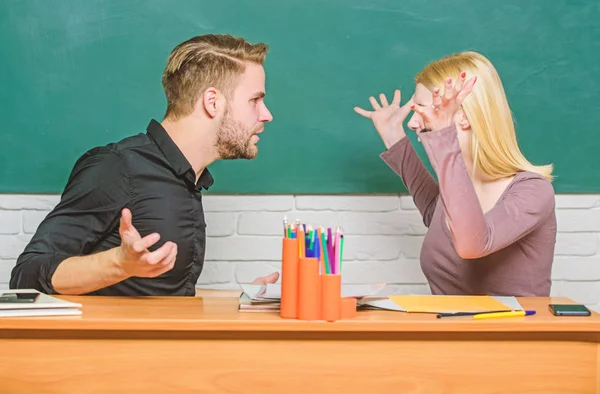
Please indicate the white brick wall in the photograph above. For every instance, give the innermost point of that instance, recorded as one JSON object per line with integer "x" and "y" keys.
{"x": 245, "y": 238}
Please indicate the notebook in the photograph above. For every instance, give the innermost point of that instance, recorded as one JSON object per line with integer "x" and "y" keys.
{"x": 44, "y": 305}
{"x": 442, "y": 304}
{"x": 249, "y": 304}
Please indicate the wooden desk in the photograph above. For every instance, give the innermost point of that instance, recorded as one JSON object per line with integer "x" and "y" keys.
{"x": 204, "y": 345}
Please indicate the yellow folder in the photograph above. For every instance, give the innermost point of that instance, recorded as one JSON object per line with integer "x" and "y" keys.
{"x": 441, "y": 304}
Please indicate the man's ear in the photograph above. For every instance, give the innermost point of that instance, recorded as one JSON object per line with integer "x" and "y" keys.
{"x": 210, "y": 102}
{"x": 463, "y": 121}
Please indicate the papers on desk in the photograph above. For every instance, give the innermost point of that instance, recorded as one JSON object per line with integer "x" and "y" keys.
{"x": 44, "y": 305}
{"x": 247, "y": 304}
{"x": 442, "y": 304}
{"x": 263, "y": 298}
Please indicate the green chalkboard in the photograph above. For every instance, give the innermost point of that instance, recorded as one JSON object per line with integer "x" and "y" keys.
{"x": 75, "y": 74}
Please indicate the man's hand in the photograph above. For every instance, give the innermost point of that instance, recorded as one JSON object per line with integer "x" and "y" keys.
{"x": 269, "y": 279}
{"x": 85, "y": 274}
{"x": 133, "y": 255}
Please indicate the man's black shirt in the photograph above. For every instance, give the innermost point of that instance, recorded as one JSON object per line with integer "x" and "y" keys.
{"x": 146, "y": 173}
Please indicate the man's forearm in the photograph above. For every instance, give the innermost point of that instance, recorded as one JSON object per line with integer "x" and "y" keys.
{"x": 84, "y": 274}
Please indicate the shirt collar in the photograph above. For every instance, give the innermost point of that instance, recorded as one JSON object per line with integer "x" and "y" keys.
{"x": 174, "y": 156}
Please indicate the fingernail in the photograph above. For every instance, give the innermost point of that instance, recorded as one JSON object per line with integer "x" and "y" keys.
{"x": 436, "y": 90}
{"x": 412, "y": 106}
{"x": 463, "y": 74}
{"x": 475, "y": 79}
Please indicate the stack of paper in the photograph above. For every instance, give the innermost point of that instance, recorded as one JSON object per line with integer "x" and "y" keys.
{"x": 442, "y": 304}
{"x": 265, "y": 298}
{"x": 249, "y": 304}
{"x": 44, "y": 305}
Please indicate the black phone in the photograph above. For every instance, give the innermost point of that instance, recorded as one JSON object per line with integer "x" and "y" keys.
{"x": 18, "y": 297}
{"x": 569, "y": 310}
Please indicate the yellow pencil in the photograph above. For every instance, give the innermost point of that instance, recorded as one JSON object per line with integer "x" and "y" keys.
{"x": 492, "y": 315}
{"x": 301, "y": 242}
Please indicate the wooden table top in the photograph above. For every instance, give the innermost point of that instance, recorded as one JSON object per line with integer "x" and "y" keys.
{"x": 218, "y": 311}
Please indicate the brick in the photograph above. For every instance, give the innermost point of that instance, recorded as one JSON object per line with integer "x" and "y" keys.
{"x": 556, "y": 289}
{"x": 578, "y": 220}
{"x": 577, "y": 201}
{"x": 220, "y": 203}
{"x": 220, "y": 286}
{"x": 220, "y": 224}
{"x": 594, "y": 308}
{"x": 10, "y": 222}
{"x": 576, "y": 268}
{"x": 267, "y": 223}
{"x": 25, "y": 201}
{"x": 372, "y": 248}
{"x": 407, "y": 203}
{"x": 411, "y": 246}
{"x": 396, "y": 271}
{"x": 215, "y": 272}
{"x": 6, "y": 267}
{"x": 383, "y": 223}
{"x": 32, "y": 219}
{"x": 348, "y": 203}
{"x": 248, "y": 271}
{"x": 581, "y": 292}
{"x": 11, "y": 246}
{"x": 576, "y": 244}
{"x": 244, "y": 248}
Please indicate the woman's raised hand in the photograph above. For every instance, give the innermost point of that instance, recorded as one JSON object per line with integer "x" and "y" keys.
{"x": 387, "y": 118}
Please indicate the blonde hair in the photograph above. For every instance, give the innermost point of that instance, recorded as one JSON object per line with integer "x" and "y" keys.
{"x": 206, "y": 61}
{"x": 494, "y": 146}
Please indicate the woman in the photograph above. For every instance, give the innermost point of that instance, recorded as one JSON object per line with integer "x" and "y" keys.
{"x": 490, "y": 218}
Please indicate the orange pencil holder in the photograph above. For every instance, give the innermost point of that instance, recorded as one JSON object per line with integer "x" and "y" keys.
{"x": 289, "y": 279}
{"x": 308, "y": 294}
{"x": 309, "y": 289}
{"x": 331, "y": 297}
{"x": 348, "y": 308}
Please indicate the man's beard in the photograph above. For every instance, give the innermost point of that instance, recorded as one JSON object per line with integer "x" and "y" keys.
{"x": 234, "y": 139}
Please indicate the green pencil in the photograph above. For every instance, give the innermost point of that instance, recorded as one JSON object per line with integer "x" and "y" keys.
{"x": 341, "y": 251}
{"x": 324, "y": 251}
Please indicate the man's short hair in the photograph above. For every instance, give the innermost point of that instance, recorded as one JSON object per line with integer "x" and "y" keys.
{"x": 205, "y": 61}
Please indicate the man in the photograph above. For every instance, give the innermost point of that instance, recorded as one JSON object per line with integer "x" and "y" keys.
{"x": 130, "y": 220}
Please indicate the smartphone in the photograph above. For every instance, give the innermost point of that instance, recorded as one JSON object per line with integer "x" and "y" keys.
{"x": 569, "y": 310}
{"x": 18, "y": 297}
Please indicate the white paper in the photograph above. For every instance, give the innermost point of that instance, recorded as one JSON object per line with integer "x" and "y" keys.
{"x": 273, "y": 291}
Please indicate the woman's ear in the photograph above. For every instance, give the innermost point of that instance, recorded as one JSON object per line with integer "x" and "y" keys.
{"x": 463, "y": 121}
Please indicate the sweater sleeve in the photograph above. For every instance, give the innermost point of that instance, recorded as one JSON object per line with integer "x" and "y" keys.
{"x": 404, "y": 161}
{"x": 526, "y": 203}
